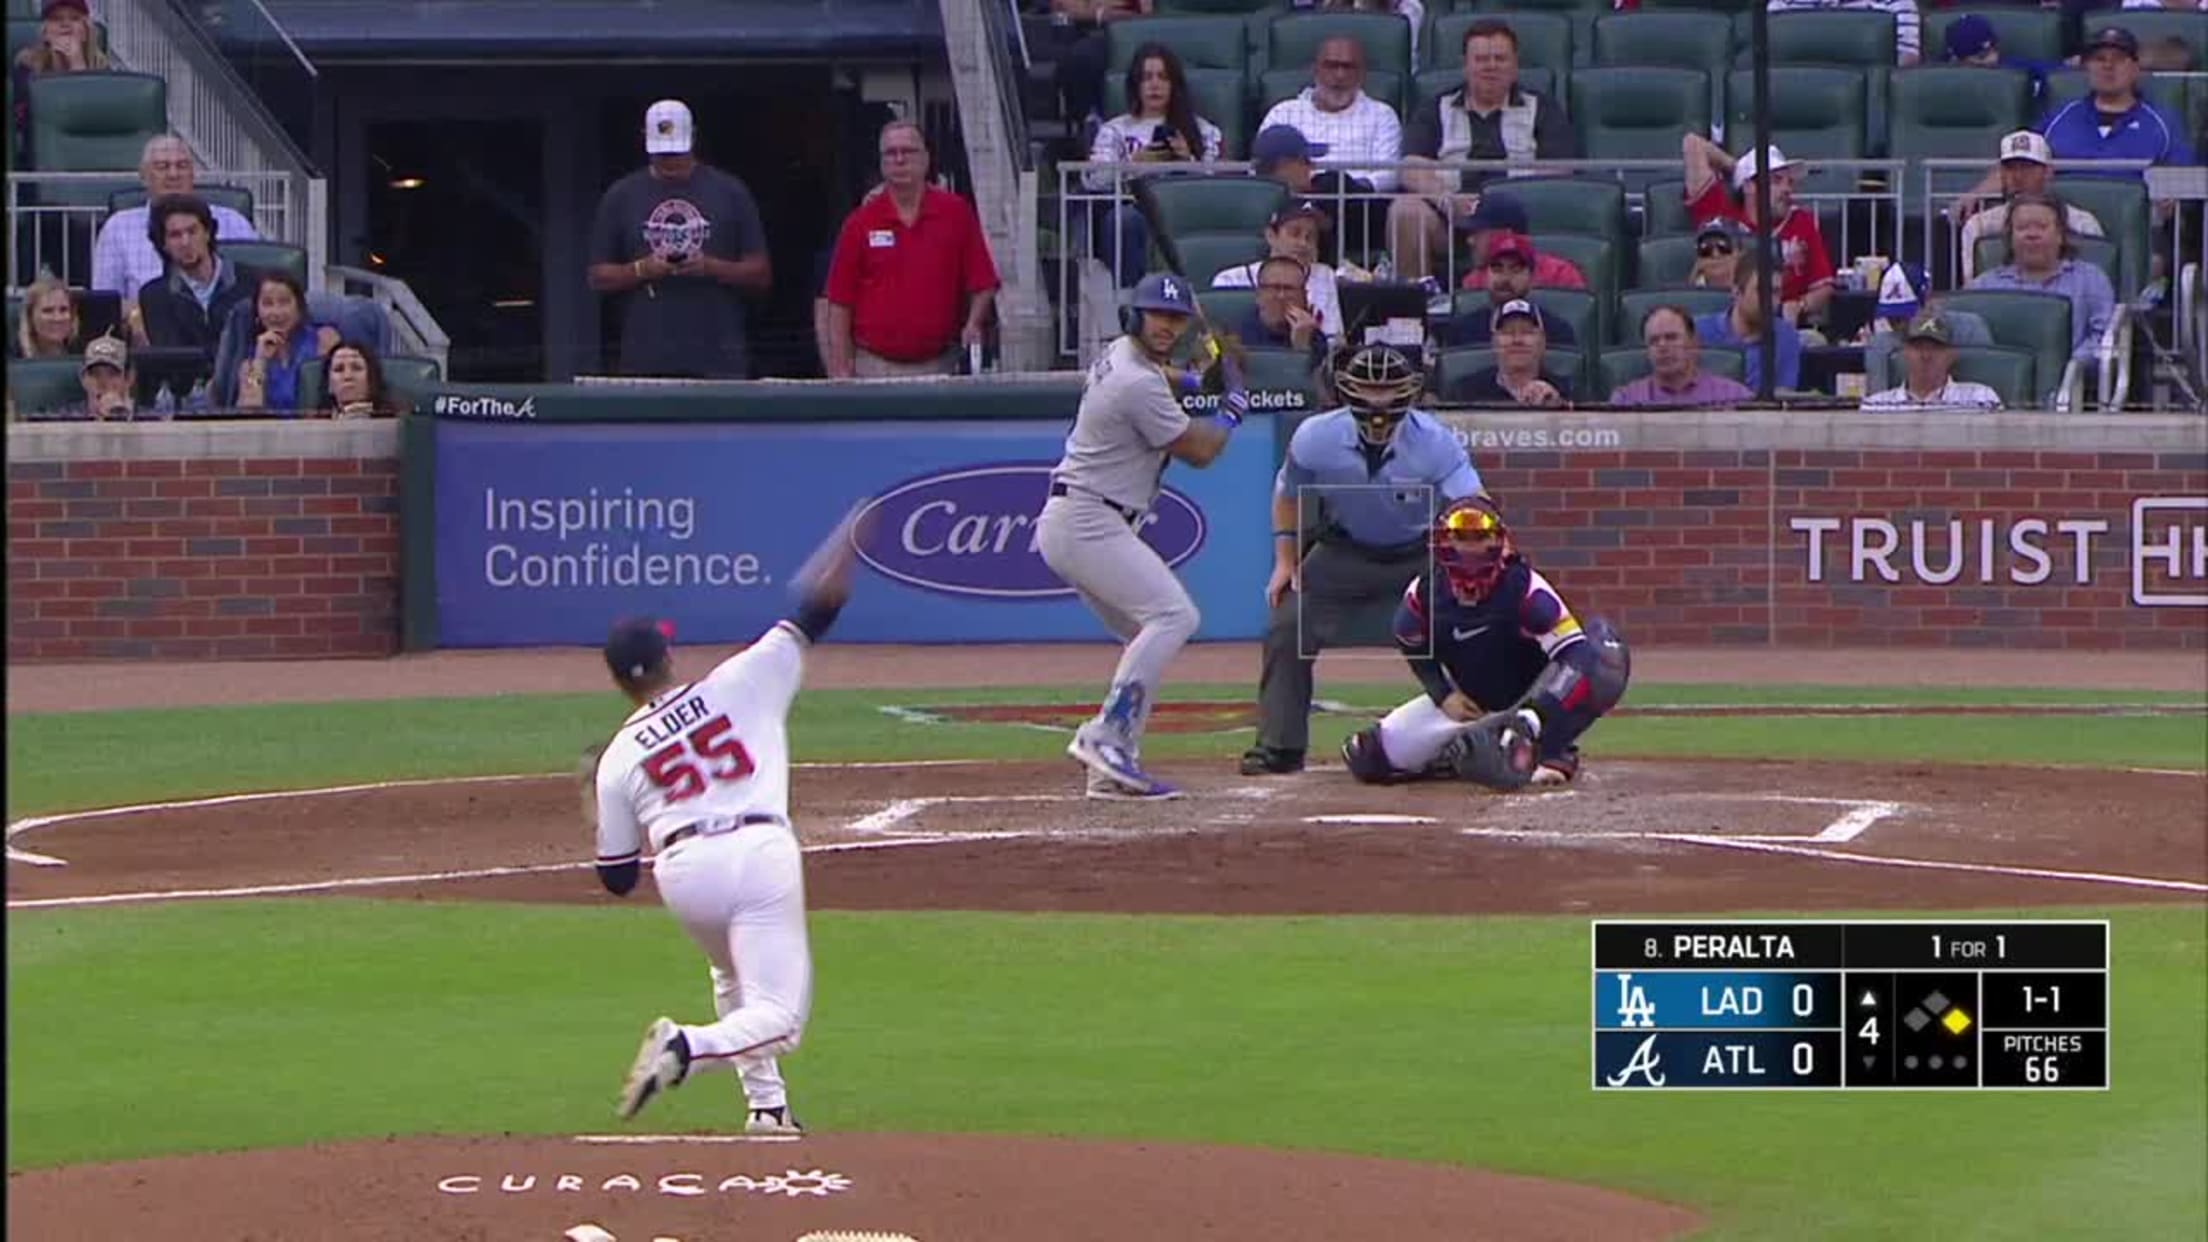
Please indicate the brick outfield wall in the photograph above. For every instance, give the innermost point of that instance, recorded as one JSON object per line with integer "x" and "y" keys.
{"x": 216, "y": 558}
{"x": 1694, "y": 547}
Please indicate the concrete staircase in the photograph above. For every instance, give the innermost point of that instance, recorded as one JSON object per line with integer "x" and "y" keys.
{"x": 989, "y": 87}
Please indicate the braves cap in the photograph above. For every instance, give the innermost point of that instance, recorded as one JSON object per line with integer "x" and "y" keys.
{"x": 667, "y": 128}
{"x": 1969, "y": 36}
{"x": 1298, "y": 209}
{"x": 2026, "y": 145}
{"x": 1275, "y": 143}
{"x": 105, "y": 351}
{"x": 1901, "y": 290}
{"x": 636, "y": 646}
{"x": 1518, "y": 308}
{"x": 2112, "y": 36}
{"x": 1930, "y": 326}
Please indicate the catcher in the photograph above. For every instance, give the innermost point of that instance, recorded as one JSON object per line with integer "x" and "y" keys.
{"x": 1512, "y": 678}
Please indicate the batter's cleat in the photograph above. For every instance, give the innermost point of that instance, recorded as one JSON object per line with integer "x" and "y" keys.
{"x": 1118, "y": 765}
{"x": 773, "y": 1121}
{"x": 1558, "y": 770}
{"x": 1271, "y": 761}
{"x": 662, "y": 1062}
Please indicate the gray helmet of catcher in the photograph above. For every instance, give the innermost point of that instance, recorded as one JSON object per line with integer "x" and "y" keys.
{"x": 1379, "y": 383}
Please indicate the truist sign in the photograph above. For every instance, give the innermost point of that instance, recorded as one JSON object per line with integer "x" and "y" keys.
{"x": 972, "y": 532}
{"x": 2166, "y": 541}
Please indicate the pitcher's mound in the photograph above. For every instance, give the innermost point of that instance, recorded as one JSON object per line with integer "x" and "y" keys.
{"x": 934, "y": 1188}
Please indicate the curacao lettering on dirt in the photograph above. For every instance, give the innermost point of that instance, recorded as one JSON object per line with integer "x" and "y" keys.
{"x": 791, "y": 1183}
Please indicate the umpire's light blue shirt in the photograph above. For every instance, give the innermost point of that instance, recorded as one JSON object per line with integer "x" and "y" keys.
{"x": 1425, "y": 467}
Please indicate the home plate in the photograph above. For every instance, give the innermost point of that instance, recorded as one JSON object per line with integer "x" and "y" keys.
{"x": 1370, "y": 819}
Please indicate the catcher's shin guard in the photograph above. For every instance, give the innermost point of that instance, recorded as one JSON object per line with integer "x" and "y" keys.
{"x": 1501, "y": 752}
{"x": 1366, "y": 759}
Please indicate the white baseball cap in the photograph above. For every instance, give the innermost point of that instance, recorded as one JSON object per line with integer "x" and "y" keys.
{"x": 2026, "y": 145}
{"x": 1748, "y": 166}
{"x": 667, "y": 127}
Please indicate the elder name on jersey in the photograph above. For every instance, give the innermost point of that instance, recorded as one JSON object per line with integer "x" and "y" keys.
{"x": 670, "y": 722}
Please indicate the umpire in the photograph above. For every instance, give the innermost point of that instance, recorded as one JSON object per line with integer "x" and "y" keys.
{"x": 1379, "y": 471}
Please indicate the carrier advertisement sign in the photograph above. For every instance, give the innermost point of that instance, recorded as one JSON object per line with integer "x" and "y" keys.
{"x": 548, "y": 532}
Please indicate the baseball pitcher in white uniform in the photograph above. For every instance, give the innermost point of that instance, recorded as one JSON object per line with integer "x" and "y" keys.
{"x": 1130, "y": 426}
{"x": 700, "y": 771}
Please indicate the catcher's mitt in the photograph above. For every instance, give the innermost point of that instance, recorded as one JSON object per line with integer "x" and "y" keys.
{"x": 1496, "y": 753}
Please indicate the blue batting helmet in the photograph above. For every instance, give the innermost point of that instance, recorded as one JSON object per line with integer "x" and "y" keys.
{"x": 1163, "y": 291}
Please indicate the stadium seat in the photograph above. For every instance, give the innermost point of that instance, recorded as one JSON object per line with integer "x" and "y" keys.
{"x": 1277, "y": 84}
{"x": 2121, "y": 207}
{"x": 1680, "y": 39}
{"x": 1993, "y": 251}
{"x": 1951, "y": 112}
{"x": 1665, "y": 260}
{"x": 1456, "y": 364}
{"x": 2038, "y": 323}
{"x": 1432, "y": 84}
{"x": 1816, "y": 113}
{"x": 236, "y": 199}
{"x": 1544, "y": 38}
{"x": 2006, "y": 370}
{"x": 1826, "y": 37}
{"x": 1223, "y": 204}
{"x": 1638, "y": 113}
{"x": 93, "y": 122}
{"x": 1664, "y": 208}
{"x": 1712, "y": 6}
{"x": 1623, "y": 365}
{"x": 1182, "y": 7}
{"x": 1385, "y": 37}
{"x": 1634, "y": 305}
{"x": 2025, "y": 33}
{"x": 1227, "y": 307}
{"x": 1273, "y": 369}
{"x": 1602, "y": 260}
{"x": 266, "y": 256}
{"x": 1200, "y": 42}
{"x": 43, "y": 385}
{"x": 2147, "y": 25}
{"x": 404, "y": 375}
{"x": 1221, "y": 98}
{"x": 1203, "y": 255}
{"x": 1568, "y": 204}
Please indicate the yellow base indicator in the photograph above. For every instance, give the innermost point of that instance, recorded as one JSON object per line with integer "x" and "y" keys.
{"x": 1956, "y": 1021}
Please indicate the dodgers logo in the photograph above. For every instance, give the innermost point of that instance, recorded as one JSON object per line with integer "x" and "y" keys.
{"x": 971, "y": 532}
{"x": 1634, "y": 1007}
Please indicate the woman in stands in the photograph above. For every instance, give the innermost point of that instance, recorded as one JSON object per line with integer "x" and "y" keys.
{"x": 283, "y": 340}
{"x": 355, "y": 386}
{"x": 2043, "y": 259}
{"x": 1160, "y": 126}
{"x": 49, "y": 328}
{"x": 67, "y": 43}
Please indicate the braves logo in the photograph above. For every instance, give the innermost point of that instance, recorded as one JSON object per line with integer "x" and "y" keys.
{"x": 676, "y": 229}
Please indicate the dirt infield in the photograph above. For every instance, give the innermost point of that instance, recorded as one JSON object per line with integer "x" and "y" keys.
{"x": 1630, "y": 836}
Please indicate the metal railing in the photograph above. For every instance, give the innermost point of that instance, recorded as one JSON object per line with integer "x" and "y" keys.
{"x": 976, "y": 46}
{"x": 1082, "y": 209}
{"x": 413, "y": 328}
{"x": 58, "y": 236}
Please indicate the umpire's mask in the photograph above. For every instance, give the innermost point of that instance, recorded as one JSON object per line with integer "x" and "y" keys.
{"x": 1378, "y": 383}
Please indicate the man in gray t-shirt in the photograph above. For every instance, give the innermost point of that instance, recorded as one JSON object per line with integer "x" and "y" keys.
{"x": 683, "y": 240}
{"x": 1129, "y": 428}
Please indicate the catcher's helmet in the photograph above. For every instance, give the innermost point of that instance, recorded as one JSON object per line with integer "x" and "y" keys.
{"x": 1472, "y": 545}
{"x": 1378, "y": 383}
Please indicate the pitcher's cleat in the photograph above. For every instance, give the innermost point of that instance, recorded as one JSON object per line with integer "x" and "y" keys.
{"x": 661, "y": 1064}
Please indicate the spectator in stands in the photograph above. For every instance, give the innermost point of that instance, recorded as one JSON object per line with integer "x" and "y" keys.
{"x": 1904, "y": 292}
{"x": 683, "y": 241}
{"x": 1929, "y": 383}
{"x": 1283, "y": 153}
{"x": 912, "y": 280}
{"x": 1675, "y": 377}
{"x": 2026, "y": 167}
{"x": 67, "y": 43}
{"x": 1335, "y": 112}
{"x": 1509, "y": 276}
{"x": 1742, "y": 325}
{"x": 2114, "y": 122}
{"x": 124, "y": 256}
{"x": 1718, "y": 246}
{"x": 282, "y": 338}
{"x": 1520, "y": 336}
{"x": 2042, "y": 258}
{"x": 187, "y": 305}
{"x": 1294, "y": 231}
{"x": 1500, "y": 231}
{"x": 2178, "y": 5}
{"x": 1083, "y": 58}
{"x": 110, "y": 384}
{"x": 1972, "y": 40}
{"x": 1805, "y": 285}
{"x": 1908, "y": 28}
{"x": 353, "y": 384}
{"x": 1490, "y": 118}
{"x": 1160, "y": 127}
{"x": 49, "y": 327}
{"x": 1282, "y": 317}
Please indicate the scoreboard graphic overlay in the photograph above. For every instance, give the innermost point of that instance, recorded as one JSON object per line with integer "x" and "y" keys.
{"x": 1945, "y": 1005}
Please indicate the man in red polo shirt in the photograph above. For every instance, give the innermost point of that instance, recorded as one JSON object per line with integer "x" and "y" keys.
{"x": 912, "y": 278}
{"x": 1805, "y": 283}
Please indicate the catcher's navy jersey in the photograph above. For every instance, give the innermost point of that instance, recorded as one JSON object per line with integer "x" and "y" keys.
{"x": 1490, "y": 651}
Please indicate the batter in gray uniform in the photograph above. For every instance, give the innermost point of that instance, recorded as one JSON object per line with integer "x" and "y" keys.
{"x": 1129, "y": 427}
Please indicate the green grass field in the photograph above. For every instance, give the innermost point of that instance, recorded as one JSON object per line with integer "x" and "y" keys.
{"x": 1460, "y": 1040}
